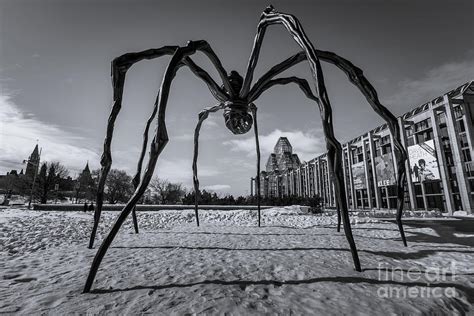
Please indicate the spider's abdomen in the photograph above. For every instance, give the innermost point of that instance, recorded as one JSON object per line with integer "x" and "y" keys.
{"x": 237, "y": 118}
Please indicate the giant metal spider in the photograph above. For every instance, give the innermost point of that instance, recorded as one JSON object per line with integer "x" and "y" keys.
{"x": 236, "y": 97}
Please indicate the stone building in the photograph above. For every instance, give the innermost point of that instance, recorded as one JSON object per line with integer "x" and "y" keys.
{"x": 15, "y": 182}
{"x": 279, "y": 163}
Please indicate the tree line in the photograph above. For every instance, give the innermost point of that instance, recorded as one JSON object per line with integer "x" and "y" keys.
{"x": 53, "y": 183}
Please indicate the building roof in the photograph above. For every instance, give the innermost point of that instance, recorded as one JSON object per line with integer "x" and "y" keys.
{"x": 454, "y": 93}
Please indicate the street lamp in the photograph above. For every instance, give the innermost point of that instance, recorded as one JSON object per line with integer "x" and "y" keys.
{"x": 56, "y": 189}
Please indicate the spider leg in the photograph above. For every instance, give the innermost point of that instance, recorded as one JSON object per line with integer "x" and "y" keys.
{"x": 120, "y": 66}
{"x": 203, "y": 115}
{"x": 156, "y": 147}
{"x": 356, "y": 76}
{"x": 276, "y": 70}
{"x": 216, "y": 91}
{"x": 338, "y": 209}
{"x": 209, "y": 52}
{"x": 334, "y": 154}
{"x": 253, "y": 108}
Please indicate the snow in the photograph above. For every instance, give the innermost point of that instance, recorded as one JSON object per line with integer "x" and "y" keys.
{"x": 295, "y": 263}
{"x": 463, "y": 214}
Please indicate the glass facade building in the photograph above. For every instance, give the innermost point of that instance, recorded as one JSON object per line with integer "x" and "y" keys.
{"x": 439, "y": 138}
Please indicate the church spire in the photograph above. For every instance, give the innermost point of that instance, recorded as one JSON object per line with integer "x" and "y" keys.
{"x": 33, "y": 162}
{"x": 35, "y": 154}
{"x": 86, "y": 169}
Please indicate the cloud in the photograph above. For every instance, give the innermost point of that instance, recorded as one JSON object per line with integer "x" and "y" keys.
{"x": 217, "y": 187}
{"x": 184, "y": 137}
{"x": 306, "y": 144}
{"x": 211, "y": 123}
{"x": 435, "y": 82}
{"x": 19, "y": 132}
{"x": 180, "y": 170}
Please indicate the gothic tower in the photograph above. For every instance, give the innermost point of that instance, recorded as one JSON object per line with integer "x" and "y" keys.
{"x": 33, "y": 163}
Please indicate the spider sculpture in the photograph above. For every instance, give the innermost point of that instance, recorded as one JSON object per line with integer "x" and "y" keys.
{"x": 236, "y": 97}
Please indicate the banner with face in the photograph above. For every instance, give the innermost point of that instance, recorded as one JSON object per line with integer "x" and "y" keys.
{"x": 385, "y": 170}
{"x": 423, "y": 162}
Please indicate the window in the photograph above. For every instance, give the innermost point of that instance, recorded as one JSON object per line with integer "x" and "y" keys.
{"x": 419, "y": 202}
{"x": 424, "y": 136}
{"x": 385, "y": 140}
{"x": 422, "y": 125}
{"x": 435, "y": 202}
{"x": 466, "y": 155}
{"x": 463, "y": 141}
{"x": 418, "y": 189}
{"x": 460, "y": 126}
{"x": 470, "y": 170}
{"x": 358, "y": 155}
{"x": 442, "y": 119}
{"x": 432, "y": 187}
{"x": 458, "y": 111}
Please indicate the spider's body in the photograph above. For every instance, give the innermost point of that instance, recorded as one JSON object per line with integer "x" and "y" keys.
{"x": 237, "y": 109}
{"x": 236, "y": 98}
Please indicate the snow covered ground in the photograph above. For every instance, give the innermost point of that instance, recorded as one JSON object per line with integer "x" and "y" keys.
{"x": 295, "y": 264}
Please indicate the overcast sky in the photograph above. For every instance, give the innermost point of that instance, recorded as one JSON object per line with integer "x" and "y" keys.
{"x": 55, "y": 76}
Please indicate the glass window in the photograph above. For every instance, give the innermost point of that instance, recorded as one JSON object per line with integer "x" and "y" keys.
{"x": 418, "y": 189}
{"x": 458, "y": 111}
{"x": 466, "y": 153}
{"x": 435, "y": 202}
{"x": 428, "y": 135}
{"x": 470, "y": 170}
{"x": 463, "y": 141}
{"x": 442, "y": 119}
{"x": 432, "y": 187}
{"x": 420, "y": 203}
{"x": 420, "y": 138}
{"x": 460, "y": 124}
{"x": 422, "y": 125}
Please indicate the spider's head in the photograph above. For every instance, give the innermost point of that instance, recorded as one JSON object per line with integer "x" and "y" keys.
{"x": 237, "y": 117}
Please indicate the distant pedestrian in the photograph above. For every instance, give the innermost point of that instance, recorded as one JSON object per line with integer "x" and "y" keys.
{"x": 415, "y": 172}
{"x": 85, "y": 207}
{"x": 91, "y": 207}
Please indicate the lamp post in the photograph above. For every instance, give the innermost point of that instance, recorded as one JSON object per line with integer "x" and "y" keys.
{"x": 56, "y": 189}
{"x": 77, "y": 186}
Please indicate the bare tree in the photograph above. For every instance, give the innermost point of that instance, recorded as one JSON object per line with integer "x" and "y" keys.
{"x": 166, "y": 192}
{"x": 50, "y": 175}
{"x": 119, "y": 186}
